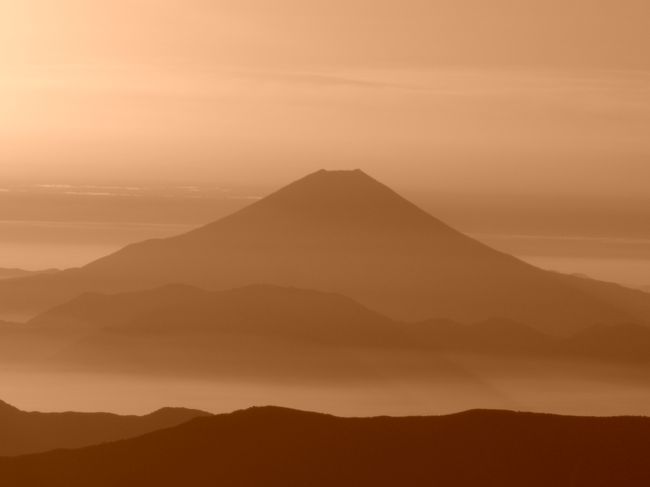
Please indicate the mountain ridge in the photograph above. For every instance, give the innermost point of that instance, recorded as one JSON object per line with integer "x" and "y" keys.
{"x": 27, "y": 432}
{"x": 294, "y": 332}
{"x": 275, "y": 446}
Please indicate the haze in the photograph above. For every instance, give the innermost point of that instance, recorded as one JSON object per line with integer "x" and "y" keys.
{"x": 501, "y": 96}
{"x": 329, "y": 205}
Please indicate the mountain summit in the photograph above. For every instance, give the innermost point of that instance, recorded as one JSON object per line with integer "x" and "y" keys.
{"x": 341, "y": 195}
{"x": 344, "y": 232}
{"x": 330, "y": 199}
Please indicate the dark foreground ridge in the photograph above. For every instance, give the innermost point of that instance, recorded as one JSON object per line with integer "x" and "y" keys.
{"x": 272, "y": 446}
{"x": 23, "y": 432}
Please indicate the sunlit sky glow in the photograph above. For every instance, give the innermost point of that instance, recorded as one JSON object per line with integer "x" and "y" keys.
{"x": 533, "y": 96}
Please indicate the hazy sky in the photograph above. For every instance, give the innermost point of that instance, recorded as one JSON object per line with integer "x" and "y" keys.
{"x": 502, "y": 95}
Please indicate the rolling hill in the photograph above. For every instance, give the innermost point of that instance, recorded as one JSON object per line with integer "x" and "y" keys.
{"x": 258, "y": 331}
{"x": 279, "y": 447}
{"x": 274, "y": 332}
{"x": 30, "y": 432}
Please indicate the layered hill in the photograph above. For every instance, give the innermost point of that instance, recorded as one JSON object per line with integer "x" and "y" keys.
{"x": 344, "y": 232}
{"x": 273, "y": 311}
{"x": 256, "y": 331}
{"x": 31, "y": 432}
{"x": 274, "y": 332}
{"x": 280, "y": 447}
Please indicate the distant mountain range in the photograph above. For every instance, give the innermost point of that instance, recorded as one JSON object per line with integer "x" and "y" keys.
{"x": 256, "y": 331}
{"x": 31, "y": 432}
{"x": 13, "y": 273}
{"x": 272, "y": 446}
{"x": 271, "y": 332}
{"x": 344, "y": 232}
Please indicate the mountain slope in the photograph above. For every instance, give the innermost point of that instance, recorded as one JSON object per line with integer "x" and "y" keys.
{"x": 344, "y": 232}
{"x": 279, "y": 447}
{"x": 30, "y": 432}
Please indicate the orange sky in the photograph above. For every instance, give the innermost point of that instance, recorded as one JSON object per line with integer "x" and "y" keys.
{"x": 500, "y": 95}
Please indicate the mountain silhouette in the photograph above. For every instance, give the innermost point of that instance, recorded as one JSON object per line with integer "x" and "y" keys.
{"x": 344, "y": 232}
{"x": 282, "y": 313}
{"x": 94, "y": 310}
{"x": 32, "y": 432}
{"x": 271, "y": 332}
{"x": 281, "y": 447}
{"x": 258, "y": 309}
{"x": 260, "y": 331}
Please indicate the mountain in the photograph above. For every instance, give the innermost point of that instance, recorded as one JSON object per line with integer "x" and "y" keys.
{"x": 12, "y": 273}
{"x": 257, "y": 331}
{"x": 271, "y": 332}
{"x": 95, "y": 310}
{"x": 31, "y": 432}
{"x": 274, "y": 311}
{"x": 344, "y": 232}
{"x": 280, "y": 447}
